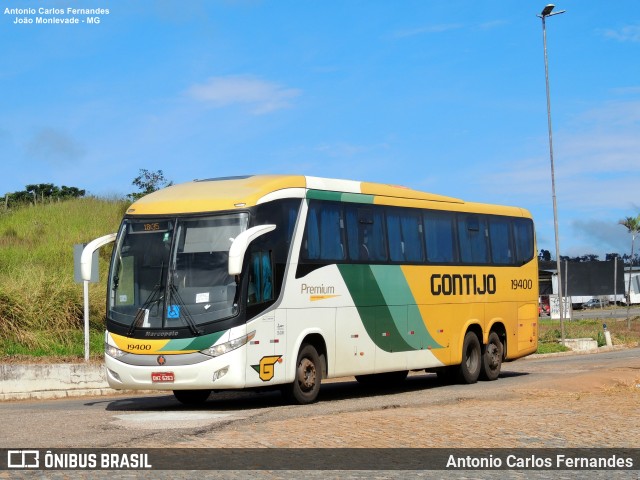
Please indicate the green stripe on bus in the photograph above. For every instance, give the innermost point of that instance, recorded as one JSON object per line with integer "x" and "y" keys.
{"x": 198, "y": 343}
{"x": 357, "y": 198}
{"x": 396, "y": 291}
{"x": 340, "y": 197}
{"x": 376, "y": 316}
{"x": 324, "y": 195}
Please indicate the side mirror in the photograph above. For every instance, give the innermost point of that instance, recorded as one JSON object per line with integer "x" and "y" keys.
{"x": 240, "y": 245}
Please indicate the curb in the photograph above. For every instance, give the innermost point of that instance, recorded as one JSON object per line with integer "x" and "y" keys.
{"x": 577, "y": 352}
{"x": 49, "y": 381}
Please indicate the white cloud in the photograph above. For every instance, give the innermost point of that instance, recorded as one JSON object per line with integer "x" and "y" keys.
{"x": 619, "y": 113}
{"x": 633, "y": 90}
{"x": 411, "y": 32}
{"x": 597, "y": 178}
{"x": 628, "y": 33}
{"x": 609, "y": 235}
{"x": 446, "y": 27}
{"x": 490, "y": 25}
{"x": 263, "y": 96}
{"x": 596, "y": 162}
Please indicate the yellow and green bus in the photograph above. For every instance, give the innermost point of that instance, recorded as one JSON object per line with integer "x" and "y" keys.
{"x": 282, "y": 281}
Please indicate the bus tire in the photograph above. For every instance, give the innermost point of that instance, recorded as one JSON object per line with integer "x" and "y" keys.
{"x": 469, "y": 369}
{"x": 308, "y": 375}
{"x": 192, "y": 397}
{"x": 491, "y": 357}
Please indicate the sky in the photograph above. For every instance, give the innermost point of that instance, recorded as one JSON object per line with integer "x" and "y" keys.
{"x": 445, "y": 96}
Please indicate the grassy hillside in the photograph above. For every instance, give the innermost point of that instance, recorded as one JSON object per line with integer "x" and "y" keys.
{"x": 41, "y": 307}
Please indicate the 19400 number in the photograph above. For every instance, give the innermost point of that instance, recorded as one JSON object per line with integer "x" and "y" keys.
{"x": 138, "y": 347}
{"x": 521, "y": 284}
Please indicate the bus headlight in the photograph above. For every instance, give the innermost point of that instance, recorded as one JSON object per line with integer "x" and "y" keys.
{"x": 112, "y": 351}
{"x": 217, "y": 350}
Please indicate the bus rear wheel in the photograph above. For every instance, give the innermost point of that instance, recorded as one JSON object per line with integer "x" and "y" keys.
{"x": 308, "y": 375}
{"x": 192, "y": 397}
{"x": 469, "y": 369}
{"x": 492, "y": 358}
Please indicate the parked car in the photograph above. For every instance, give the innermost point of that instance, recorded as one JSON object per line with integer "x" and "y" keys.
{"x": 595, "y": 303}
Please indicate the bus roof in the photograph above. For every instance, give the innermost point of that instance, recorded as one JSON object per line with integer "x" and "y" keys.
{"x": 233, "y": 193}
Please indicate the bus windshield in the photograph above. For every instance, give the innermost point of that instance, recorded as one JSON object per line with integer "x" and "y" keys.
{"x": 173, "y": 272}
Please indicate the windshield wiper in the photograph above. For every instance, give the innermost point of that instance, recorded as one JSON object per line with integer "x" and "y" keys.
{"x": 184, "y": 311}
{"x": 154, "y": 298}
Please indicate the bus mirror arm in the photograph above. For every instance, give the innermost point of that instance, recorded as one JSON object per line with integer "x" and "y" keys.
{"x": 87, "y": 253}
{"x": 240, "y": 245}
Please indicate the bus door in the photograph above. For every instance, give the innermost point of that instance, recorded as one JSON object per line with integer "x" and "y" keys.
{"x": 265, "y": 354}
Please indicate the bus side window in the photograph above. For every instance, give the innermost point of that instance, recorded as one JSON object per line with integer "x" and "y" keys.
{"x": 365, "y": 233}
{"x": 500, "y": 238}
{"x": 440, "y": 237}
{"x": 472, "y": 235}
{"x": 404, "y": 230}
{"x": 260, "y": 278}
{"x": 523, "y": 230}
{"x": 324, "y": 232}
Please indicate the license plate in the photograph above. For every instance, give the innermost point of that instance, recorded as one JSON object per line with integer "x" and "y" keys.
{"x": 162, "y": 377}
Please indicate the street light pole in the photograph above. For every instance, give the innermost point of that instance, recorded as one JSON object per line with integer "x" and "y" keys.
{"x": 546, "y": 12}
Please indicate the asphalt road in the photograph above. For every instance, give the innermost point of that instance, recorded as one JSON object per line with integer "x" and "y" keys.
{"x": 609, "y": 312}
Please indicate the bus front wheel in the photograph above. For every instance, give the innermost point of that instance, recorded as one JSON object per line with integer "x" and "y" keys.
{"x": 192, "y": 397}
{"x": 492, "y": 358}
{"x": 308, "y": 375}
{"x": 469, "y": 369}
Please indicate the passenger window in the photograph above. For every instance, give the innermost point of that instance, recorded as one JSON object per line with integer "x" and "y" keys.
{"x": 404, "y": 230}
{"x": 440, "y": 237}
{"x": 501, "y": 244}
{"x": 324, "y": 232}
{"x": 366, "y": 235}
{"x": 523, "y": 232}
{"x": 472, "y": 234}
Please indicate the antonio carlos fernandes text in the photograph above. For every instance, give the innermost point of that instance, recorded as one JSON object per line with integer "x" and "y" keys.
{"x": 562, "y": 462}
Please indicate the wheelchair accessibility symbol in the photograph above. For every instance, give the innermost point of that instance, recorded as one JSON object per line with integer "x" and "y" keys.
{"x": 173, "y": 311}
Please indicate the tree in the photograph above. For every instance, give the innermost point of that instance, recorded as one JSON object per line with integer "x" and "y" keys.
{"x": 148, "y": 182}
{"x": 544, "y": 255}
{"x": 69, "y": 192}
{"x": 39, "y": 192}
{"x": 609, "y": 257}
{"x": 633, "y": 227}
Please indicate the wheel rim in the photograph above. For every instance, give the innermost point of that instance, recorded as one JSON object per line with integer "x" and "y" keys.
{"x": 493, "y": 356}
{"x": 306, "y": 374}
